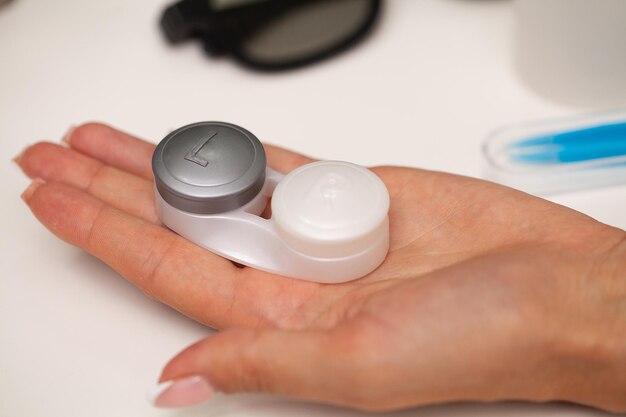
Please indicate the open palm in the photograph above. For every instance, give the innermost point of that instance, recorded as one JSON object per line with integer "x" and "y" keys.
{"x": 477, "y": 285}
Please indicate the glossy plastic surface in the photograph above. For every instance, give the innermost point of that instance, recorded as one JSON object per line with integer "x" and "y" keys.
{"x": 554, "y": 156}
{"x": 209, "y": 167}
{"x": 331, "y": 209}
{"x": 243, "y": 236}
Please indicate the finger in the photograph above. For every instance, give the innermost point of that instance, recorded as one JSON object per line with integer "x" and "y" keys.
{"x": 284, "y": 160}
{"x": 113, "y": 147}
{"x": 303, "y": 364}
{"x": 120, "y": 189}
{"x": 165, "y": 266}
{"x": 134, "y": 155}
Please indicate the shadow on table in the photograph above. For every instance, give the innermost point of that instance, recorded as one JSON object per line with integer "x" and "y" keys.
{"x": 272, "y": 406}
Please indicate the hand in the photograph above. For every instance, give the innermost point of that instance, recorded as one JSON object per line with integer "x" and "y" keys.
{"x": 486, "y": 294}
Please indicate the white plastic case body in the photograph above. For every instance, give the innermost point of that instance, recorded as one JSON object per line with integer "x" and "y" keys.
{"x": 243, "y": 236}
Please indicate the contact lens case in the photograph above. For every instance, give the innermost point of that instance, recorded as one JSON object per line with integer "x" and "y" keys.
{"x": 328, "y": 221}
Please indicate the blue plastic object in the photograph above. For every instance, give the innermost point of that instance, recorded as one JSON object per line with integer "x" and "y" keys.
{"x": 595, "y": 142}
{"x": 553, "y": 156}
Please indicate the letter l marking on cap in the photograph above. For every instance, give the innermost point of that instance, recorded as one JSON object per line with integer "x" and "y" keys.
{"x": 192, "y": 155}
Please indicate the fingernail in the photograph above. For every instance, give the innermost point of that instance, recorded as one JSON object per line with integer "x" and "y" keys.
{"x": 183, "y": 392}
{"x": 18, "y": 158}
{"x": 67, "y": 138}
{"x": 28, "y": 193}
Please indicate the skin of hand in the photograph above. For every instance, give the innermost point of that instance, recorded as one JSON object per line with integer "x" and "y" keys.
{"x": 486, "y": 294}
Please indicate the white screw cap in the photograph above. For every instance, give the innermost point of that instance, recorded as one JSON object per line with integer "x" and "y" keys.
{"x": 331, "y": 209}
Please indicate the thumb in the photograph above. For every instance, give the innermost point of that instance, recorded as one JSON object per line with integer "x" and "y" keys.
{"x": 312, "y": 365}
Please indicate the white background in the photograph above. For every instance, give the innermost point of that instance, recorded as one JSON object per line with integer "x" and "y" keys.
{"x": 424, "y": 91}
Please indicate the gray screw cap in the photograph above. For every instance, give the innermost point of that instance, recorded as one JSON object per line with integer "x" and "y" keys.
{"x": 209, "y": 167}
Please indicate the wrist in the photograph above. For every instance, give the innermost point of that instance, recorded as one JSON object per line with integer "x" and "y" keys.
{"x": 591, "y": 353}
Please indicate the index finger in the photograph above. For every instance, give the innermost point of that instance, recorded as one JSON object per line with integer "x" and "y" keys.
{"x": 129, "y": 153}
{"x": 188, "y": 278}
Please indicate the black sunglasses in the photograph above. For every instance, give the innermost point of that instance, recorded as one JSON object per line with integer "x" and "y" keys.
{"x": 271, "y": 34}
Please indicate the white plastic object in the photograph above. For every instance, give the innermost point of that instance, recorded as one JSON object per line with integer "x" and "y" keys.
{"x": 572, "y": 51}
{"x": 299, "y": 241}
{"x": 329, "y": 219}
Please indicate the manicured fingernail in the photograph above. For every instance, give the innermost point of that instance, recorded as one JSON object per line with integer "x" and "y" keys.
{"x": 67, "y": 138}
{"x": 28, "y": 193}
{"x": 181, "y": 392}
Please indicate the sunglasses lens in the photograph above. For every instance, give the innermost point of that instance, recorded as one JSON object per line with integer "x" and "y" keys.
{"x": 306, "y": 31}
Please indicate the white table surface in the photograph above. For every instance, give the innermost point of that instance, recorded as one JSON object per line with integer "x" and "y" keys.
{"x": 77, "y": 340}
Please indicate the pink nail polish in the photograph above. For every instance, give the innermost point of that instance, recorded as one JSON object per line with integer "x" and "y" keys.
{"x": 182, "y": 392}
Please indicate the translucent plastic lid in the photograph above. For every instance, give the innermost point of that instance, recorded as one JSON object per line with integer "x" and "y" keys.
{"x": 331, "y": 209}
